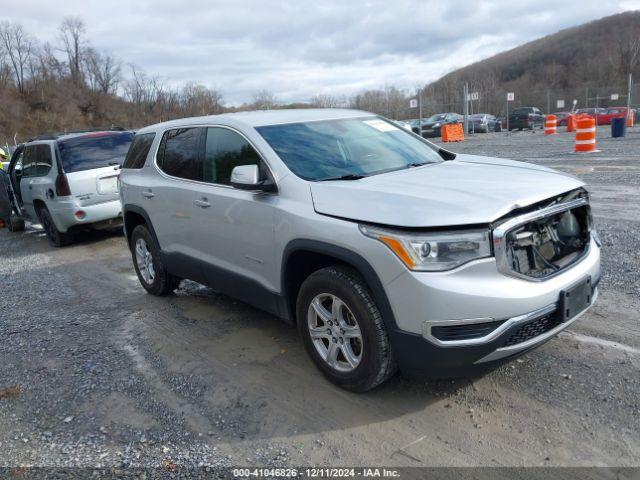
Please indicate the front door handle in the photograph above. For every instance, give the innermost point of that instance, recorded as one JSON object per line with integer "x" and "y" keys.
{"x": 148, "y": 194}
{"x": 202, "y": 203}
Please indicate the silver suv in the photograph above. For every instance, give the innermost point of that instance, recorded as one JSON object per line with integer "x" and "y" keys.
{"x": 65, "y": 182}
{"x": 385, "y": 250}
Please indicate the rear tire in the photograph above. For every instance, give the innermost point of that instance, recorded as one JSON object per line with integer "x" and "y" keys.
{"x": 342, "y": 329}
{"x": 55, "y": 236}
{"x": 152, "y": 274}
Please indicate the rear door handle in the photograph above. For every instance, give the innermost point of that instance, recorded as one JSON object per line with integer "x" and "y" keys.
{"x": 148, "y": 194}
{"x": 203, "y": 203}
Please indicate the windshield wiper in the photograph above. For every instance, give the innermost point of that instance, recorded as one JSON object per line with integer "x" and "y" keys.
{"x": 416, "y": 164}
{"x": 349, "y": 176}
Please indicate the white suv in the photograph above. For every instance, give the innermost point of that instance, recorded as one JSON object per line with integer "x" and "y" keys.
{"x": 65, "y": 182}
{"x": 386, "y": 250}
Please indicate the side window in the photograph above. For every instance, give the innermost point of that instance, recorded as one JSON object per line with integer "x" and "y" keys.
{"x": 179, "y": 154}
{"x": 43, "y": 161}
{"x": 224, "y": 150}
{"x": 28, "y": 161}
{"x": 138, "y": 151}
{"x": 17, "y": 167}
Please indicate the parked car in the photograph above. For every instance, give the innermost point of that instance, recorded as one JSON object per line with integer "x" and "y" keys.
{"x": 404, "y": 124}
{"x": 415, "y": 125}
{"x": 526, "y": 117}
{"x": 384, "y": 249}
{"x": 65, "y": 182}
{"x": 432, "y": 127}
{"x": 562, "y": 118}
{"x": 610, "y": 113}
{"x": 596, "y": 113}
{"x": 483, "y": 123}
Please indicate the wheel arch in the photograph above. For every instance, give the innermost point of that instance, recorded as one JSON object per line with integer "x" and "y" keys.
{"x": 134, "y": 216}
{"x": 302, "y": 257}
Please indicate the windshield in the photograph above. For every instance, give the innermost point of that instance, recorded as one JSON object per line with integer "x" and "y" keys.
{"x": 437, "y": 117}
{"x": 353, "y": 147}
{"x": 94, "y": 150}
{"x": 477, "y": 116}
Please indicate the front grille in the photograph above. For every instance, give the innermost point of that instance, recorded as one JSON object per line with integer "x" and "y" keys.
{"x": 464, "y": 331}
{"x": 534, "y": 328}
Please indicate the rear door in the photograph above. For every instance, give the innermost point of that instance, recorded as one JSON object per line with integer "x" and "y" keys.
{"x": 168, "y": 200}
{"x": 41, "y": 182}
{"x": 29, "y": 167}
{"x": 92, "y": 164}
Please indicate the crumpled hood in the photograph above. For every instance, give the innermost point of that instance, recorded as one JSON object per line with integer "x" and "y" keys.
{"x": 468, "y": 190}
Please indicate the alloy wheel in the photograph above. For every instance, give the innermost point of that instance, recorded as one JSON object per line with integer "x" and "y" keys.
{"x": 335, "y": 332}
{"x": 144, "y": 260}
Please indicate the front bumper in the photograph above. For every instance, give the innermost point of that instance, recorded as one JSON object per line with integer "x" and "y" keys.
{"x": 478, "y": 294}
{"x": 431, "y": 132}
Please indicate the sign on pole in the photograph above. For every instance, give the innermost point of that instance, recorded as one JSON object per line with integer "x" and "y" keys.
{"x": 560, "y": 104}
{"x": 413, "y": 103}
{"x": 511, "y": 96}
{"x": 475, "y": 96}
{"x": 615, "y": 96}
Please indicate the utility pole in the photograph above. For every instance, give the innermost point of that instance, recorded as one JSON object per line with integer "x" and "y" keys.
{"x": 466, "y": 106}
{"x": 508, "y": 114}
{"x": 420, "y": 110}
{"x": 586, "y": 97}
{"x": 629, "y": 94}
{"x": 548, "y": 102}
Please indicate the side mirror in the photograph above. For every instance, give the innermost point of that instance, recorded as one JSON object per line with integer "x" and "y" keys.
{"x": 247, "y": 177}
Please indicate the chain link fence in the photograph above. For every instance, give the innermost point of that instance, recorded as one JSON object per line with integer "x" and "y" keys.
{"x": 549, "y": 100}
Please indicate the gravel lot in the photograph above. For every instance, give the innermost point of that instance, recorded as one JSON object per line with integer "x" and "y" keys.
{"x": 96, "y": 373}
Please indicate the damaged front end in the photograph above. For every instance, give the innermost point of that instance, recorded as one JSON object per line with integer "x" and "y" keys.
{"x": 542, "y": 241}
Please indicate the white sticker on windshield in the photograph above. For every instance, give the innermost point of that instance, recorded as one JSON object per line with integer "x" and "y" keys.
{"x": 381, "y": 125}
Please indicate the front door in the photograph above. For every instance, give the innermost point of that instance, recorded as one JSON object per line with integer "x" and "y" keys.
{"x": 234, "y": 229}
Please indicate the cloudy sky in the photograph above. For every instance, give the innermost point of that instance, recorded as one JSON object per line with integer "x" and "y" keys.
{"x": 298, "y": 48}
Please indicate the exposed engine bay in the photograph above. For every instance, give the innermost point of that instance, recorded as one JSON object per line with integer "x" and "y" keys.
{"x": 547, "y": 245}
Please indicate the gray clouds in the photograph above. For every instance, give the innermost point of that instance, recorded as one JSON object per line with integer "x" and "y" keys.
{"x": 297, "y": 49}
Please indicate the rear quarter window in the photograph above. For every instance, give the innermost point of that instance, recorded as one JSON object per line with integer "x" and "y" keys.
{"x": 95, "y": 150}
{"x": 138, "y": 151}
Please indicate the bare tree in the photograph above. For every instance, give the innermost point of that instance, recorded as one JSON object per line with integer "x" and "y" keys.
{"x": 104, "y": 71}
{"x": 17, "y": 46}
{"x": 71, "y": 34}
{"x": 628, "y": 49}
{"x": 200, "y": 100}
{"x": 264, "y": 100}
{"x": 327, "y": 101}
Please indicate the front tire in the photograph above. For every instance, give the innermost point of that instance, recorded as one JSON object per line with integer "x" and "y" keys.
{"x": 342, "y": 329}
{"x": 152, "y": 274}
{"x": 56, "y": 237}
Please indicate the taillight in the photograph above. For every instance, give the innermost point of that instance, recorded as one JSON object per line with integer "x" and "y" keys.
{"x": 62, "y": 186}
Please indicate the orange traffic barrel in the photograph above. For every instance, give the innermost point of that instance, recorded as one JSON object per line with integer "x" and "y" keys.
{"x": 550, "y": 125}
{"x": 585, "y": 135}
{"x": 571, "y": 123}
{"x": 630, "y": 119}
